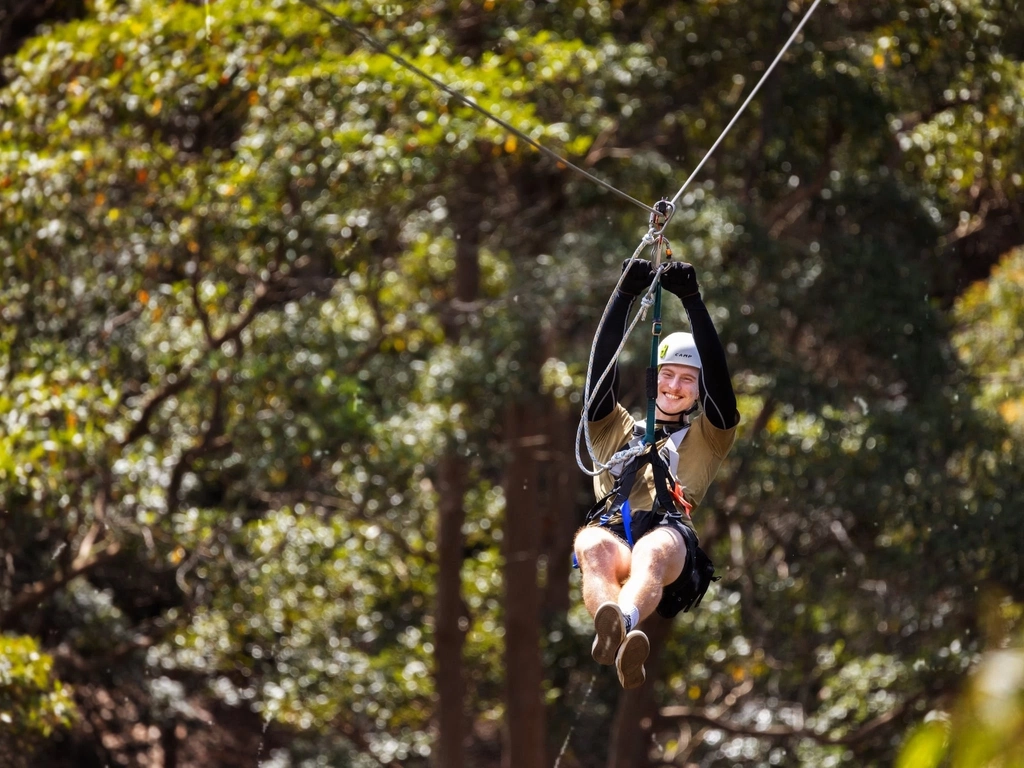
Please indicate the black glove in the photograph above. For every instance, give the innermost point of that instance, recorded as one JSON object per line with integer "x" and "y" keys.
{"x": 639, "y": 276}
{"x": 680, "y": 278}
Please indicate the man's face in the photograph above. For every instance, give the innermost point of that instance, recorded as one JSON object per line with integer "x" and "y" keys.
{"x": 677, "y": 390}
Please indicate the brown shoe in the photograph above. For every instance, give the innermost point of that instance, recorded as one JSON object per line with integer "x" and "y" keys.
{"x": 610, "y": 626}
{"x": 629, "y": 661}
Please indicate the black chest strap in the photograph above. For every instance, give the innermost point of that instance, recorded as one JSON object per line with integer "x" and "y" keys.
{"x": 664, "y": 487}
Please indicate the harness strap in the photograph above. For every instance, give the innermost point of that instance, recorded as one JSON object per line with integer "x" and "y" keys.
{"x": 666, "y": 491}
{"x": 622, "y": 488}
{"x": 665, "y": 486}
{"x": 599, "y": 506}
{"x": 627, "y": 523}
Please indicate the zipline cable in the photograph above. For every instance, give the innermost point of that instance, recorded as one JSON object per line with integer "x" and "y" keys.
{"x": 653, "y": 233}
{"x": 663, "y": 216}
{"x": 402, "y": 61}
{"x": 743, "y": 106}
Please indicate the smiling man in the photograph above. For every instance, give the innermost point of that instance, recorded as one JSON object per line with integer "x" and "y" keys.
{"x": 635, "y": 554}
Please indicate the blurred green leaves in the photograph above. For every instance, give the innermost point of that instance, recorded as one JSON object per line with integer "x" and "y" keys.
{"x": 33, "y": 702}
{"x": 984, "y": 725}
{"x": 990, "y": 339}
{"x": 229, "y": 235}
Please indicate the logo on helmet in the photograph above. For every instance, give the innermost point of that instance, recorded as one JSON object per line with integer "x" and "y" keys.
{"x": 679, "y": 348}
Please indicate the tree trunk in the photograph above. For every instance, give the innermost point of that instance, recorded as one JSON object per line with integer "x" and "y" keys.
{"x": 451, "y": 617}
{"x": 524, "y": 673}
{"x": 629, "y": 746}
{"x": 561, "y": 518}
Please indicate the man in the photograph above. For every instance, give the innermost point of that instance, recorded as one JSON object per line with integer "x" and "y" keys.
{"x": 656, "y": 563}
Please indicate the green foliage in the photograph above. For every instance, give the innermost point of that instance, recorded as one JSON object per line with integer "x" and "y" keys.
{"x": 990, "y": 338}
{"x": 984, "y": 727}
{"x": 33, "y": 703}
{"x": 230, "y": 235}
{"x": 926, "y": 746}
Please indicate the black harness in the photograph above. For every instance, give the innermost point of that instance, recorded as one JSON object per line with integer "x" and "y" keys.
{"x": 664, "y": 483}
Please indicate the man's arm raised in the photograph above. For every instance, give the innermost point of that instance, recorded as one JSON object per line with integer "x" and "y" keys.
{"x": 639, "y": 276}
{"x": 716, "y": 394}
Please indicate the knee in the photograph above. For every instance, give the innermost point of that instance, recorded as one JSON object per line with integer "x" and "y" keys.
{"x": 659, "y": 551}
{"x": 594, "y": 545}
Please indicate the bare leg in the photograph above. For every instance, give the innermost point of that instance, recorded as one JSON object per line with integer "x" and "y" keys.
{"x": 657, "y": 560}
{"x": 604, "y": 562}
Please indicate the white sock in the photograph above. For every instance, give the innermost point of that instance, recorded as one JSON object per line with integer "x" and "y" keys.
{"x": 632, "y": 614}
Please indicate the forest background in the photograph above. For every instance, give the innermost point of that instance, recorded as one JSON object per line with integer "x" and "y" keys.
{"x": 292, "y": 349}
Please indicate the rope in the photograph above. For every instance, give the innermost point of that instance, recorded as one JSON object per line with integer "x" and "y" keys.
{"x": 579, "y": 711}
{"x": 402, "y": 61}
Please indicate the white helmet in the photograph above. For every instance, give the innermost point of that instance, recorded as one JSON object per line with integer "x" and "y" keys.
{"x": 678, "y": 349}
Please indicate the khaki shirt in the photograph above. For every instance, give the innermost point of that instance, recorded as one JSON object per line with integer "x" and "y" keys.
{"x": 701, "y": 453}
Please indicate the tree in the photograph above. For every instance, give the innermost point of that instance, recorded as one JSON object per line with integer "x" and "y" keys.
{"x": 248, "y": 362}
